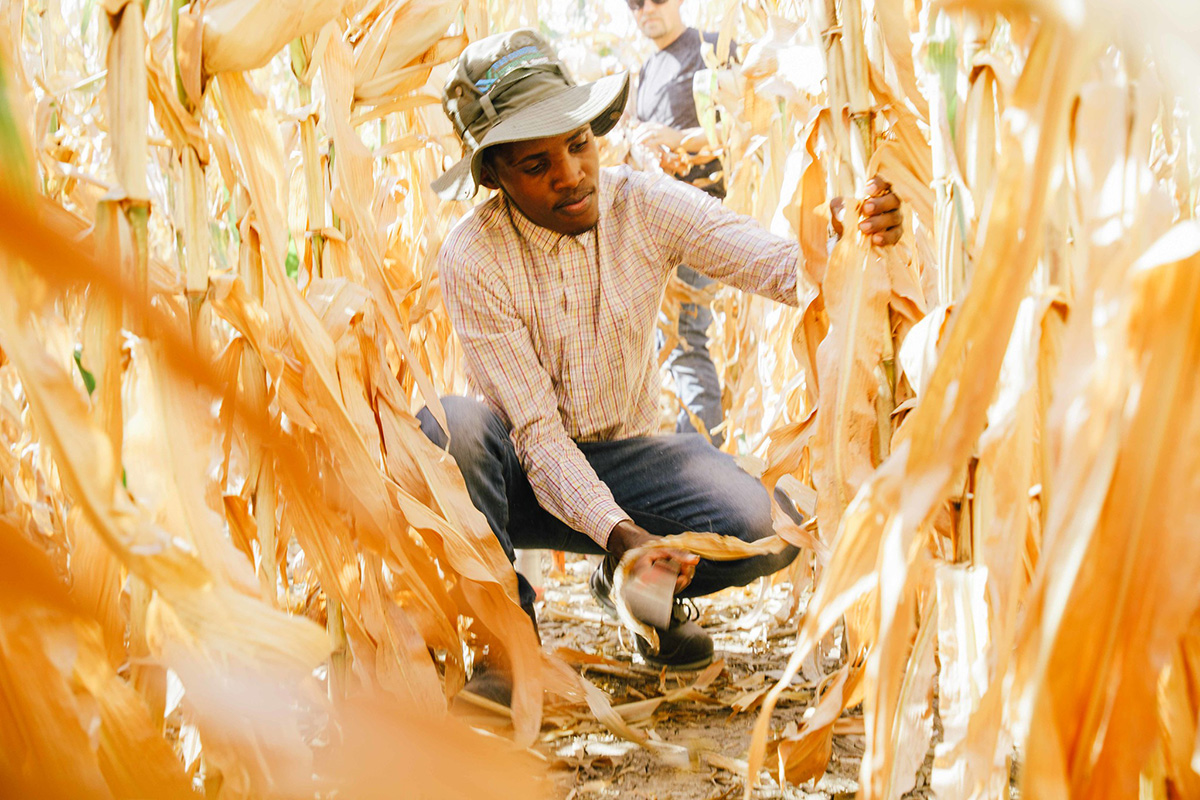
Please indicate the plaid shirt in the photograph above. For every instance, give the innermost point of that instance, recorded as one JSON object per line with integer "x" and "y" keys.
{"x": 558, "y": 330}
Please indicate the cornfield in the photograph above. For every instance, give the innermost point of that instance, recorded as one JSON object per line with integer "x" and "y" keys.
{"x": 233, "y": 566}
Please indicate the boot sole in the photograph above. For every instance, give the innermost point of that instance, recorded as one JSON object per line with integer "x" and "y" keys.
{"x": 694, "y": 665}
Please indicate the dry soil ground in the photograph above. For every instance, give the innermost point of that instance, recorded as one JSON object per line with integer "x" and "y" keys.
{"x": 752, "y": 629}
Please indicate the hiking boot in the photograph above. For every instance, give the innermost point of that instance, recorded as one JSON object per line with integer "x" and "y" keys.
{"x": 492, "y": 679}
{"x": 683, "y": 645}
{"x": 600, "y": 584}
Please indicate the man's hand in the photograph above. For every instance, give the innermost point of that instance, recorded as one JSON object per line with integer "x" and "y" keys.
{"x": 626, "y": 536}
{"x": 676, "y": 151}
{"x": 881, "y": 221}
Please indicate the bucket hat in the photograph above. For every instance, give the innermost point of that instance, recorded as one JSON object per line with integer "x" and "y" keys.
{"x": 512, "y": 87}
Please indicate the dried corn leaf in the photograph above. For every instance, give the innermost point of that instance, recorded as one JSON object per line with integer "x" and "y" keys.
{"x": 1121, "y": 566}
{"x": 398, "y": 34}
{"x": 239, "y": 35}
{"x": 856, "y": 292}
{"x": 804, "y": 755}
{"x": 938, "y": 439}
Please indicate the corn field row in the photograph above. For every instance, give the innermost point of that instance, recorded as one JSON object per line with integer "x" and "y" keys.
{"x": 232, "y": 564}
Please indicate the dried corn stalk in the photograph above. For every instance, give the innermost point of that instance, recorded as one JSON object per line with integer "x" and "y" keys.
{"x": 264, "y": 471}
{"x": 1011, "y": 275}
{"x": 221, "y": 311}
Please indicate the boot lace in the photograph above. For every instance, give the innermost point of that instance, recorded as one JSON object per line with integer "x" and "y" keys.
{"x": 684, "y": 611}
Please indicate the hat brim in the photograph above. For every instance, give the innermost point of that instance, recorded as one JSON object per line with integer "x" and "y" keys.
{"x": 599, "y": 103}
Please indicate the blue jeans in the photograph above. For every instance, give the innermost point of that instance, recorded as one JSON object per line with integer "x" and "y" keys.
{"x": 667, "y": 484}
{"x": 696, "y": 380}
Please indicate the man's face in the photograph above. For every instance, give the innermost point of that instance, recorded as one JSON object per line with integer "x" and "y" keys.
{"x": 660, "y": 21}
{"x": 552, "y": 181}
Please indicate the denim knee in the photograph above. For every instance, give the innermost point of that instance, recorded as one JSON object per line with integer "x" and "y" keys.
{"x": 770, "y": 563}
{"x": 749, "y": 519}
{"x": 712, "y": 576}
{"x": 471, "y": 424}
{"x": 757, "y": 525}
{"x": 747, "y": 509}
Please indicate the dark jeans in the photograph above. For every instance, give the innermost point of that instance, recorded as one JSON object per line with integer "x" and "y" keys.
{"x": 691, "y": 364}
{"x": 667, "y": 484}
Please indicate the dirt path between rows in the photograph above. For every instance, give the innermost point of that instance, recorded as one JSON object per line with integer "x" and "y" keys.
{"x": 754, "y": 635}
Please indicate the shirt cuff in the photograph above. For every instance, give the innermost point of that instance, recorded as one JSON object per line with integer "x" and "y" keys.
{"x": 600, "y": 517}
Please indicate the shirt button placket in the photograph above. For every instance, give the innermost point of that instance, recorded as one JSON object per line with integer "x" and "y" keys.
{"x": 570, "y": 288}
{"x": 564, "y": 282}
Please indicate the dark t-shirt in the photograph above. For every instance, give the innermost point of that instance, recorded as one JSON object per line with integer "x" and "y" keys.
{"x": 664, "y": 94}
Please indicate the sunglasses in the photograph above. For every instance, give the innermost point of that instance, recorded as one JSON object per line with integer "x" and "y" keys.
{"x": 636, "y": 5}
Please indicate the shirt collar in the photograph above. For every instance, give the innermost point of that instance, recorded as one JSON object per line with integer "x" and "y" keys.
{"x": 544, "y": 238}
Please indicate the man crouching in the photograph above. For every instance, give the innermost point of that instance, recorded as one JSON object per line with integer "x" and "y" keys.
{"x": 553, "y": 286}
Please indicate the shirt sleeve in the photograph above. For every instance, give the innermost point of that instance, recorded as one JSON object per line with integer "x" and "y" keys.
{"x": 502, "y": 363}
{"x": 692, "y": 228}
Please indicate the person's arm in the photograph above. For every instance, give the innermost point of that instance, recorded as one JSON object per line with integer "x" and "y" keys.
{"x": 693, "y": 228}
{"x": 501, "y": 360}
{"x": 667, "y": 141}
